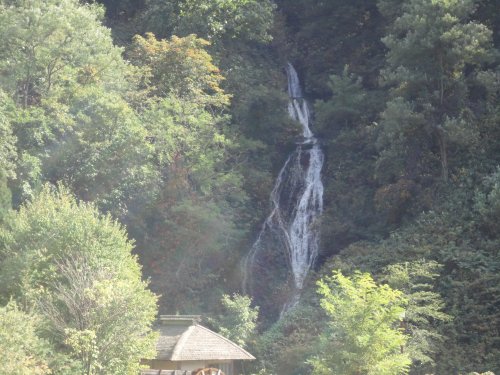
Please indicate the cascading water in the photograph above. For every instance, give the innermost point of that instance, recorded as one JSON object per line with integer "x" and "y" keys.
{"x": 290, "y": 232}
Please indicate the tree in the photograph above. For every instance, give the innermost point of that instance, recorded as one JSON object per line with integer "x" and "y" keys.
{"x": 7, "y": 153}
{"x": 52, "y": 54}
{"x": 402, "y": 144}
{"x": 248, "y": 20}
{"x": 363, "y": 334}
{"x": 231, "y": 19}
{"x": 5, "y": 196}
{"x": 424, "y": 311}
{"x": 189, "y": 252}
{"x": 190, "y": 225}
{"x": 103, "y": 153}
{"x": 181, "y": 67}
{"x": 282, "y": 348}
{"x": 91, "y": 309}
{"x": 7, "y": 139}
{"x": 459, "y": 233}
{"x": 22, "y": 351}
{"x": 346, "y": 105}
{"x": 433, "y": 47}
{"x": 238, "y": 320}
{"x": 48, "y": 45}
{"x": 189, "y": 145}
{"x": 75, "y": 265}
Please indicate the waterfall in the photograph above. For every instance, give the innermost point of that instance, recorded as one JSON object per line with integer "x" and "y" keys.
{"x": 290, "y": 231}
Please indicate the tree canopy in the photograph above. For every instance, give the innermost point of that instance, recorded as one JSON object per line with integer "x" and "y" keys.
{"x": 75, "y": 267}
{"x": 364, "y": 335}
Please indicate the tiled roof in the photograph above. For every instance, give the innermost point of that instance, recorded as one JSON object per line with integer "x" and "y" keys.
{"x": 195, "y": 342}
{"x": 169, "y": 336}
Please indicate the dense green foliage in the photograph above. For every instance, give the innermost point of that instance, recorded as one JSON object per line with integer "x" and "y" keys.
{"x": 238, "y": 320}
{"x": 75, "y": 268}
{"x": 22, "y": 352}
{"x": 363, "y": 336}
{"x": 173, "y": 121}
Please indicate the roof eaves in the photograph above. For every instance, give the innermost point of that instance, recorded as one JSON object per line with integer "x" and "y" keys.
{"x": 250, "y": 357}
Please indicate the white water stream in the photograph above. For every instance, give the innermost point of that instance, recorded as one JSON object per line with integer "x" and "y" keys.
{"x": 296, "y": 201}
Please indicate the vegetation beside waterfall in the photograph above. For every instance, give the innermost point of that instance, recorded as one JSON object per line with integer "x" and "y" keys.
{"x": 141, "y": 140}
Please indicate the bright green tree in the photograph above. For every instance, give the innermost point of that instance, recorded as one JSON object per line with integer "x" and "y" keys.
{"x": 92, "y": 309}
{"x": 424, "y": 311}
{"x": 22, "y": 351}
{"x": 181, "y": 67}
{"x": 461, "y": 235}
{"x": 75, "y": 266}
{"x": 363, "y": 334}
{"x": 48, "y": 45}
{"x": 52, "y": 54}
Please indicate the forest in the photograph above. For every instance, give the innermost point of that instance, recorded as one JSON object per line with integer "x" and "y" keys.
{"x": 140, "y": 141}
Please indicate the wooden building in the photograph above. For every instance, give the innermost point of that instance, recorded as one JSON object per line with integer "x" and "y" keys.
{"x": 185, "y": 346}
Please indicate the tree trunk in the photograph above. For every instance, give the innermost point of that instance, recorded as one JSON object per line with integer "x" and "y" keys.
{"x": 443, "y": 153}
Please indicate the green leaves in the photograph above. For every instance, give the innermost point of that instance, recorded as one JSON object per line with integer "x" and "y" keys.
{"x": 189, "y": 142}
{"x": 104, "y": 156}
{"x": 363, "y": 334}
{"x": 180, "y": 67}
{"x": 7, "y": 139}
{"x": 231, "y": 19}
{"x": 59, "y": 65}
{"x": 424, "y": 311}
{"x": 22, "y": 352}
{"x": 52, "y": 227}
{"x": 430, "y": 45}
{"x": 346, "y": 105}
{"x": 47, "y": 45}
{"x": 93, "y": 311}
{"x": 238, "y": 321}
{"x": 76, "y": 268}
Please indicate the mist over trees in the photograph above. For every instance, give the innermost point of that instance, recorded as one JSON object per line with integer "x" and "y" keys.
{"x": 139, "y": 143}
